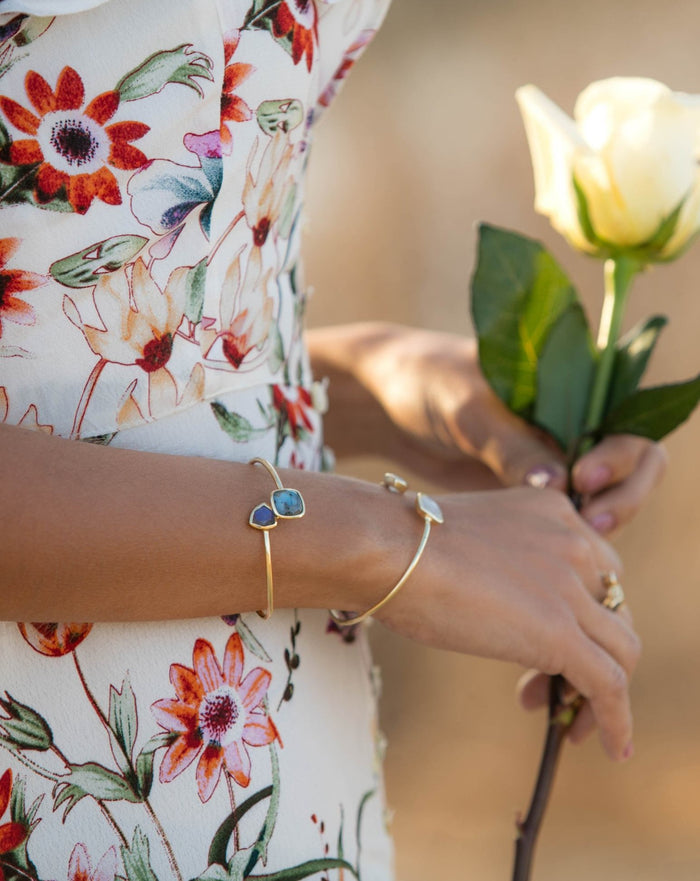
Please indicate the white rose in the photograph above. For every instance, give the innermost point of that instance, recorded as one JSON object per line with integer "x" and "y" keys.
{"x": 633, "y": 149}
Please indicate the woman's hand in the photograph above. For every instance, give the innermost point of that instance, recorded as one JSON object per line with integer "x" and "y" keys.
{"x": 516, "y": 575}
{"x": 431, "y": 387}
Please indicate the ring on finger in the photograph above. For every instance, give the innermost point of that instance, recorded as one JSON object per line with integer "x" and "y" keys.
{"x": 614, "y": 594}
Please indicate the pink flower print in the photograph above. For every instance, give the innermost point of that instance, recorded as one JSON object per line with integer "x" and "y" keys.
{"x": 80, "y": 867}
{"x": 217, "y": 714}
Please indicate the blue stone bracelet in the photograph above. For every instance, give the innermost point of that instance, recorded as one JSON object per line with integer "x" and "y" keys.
{"x": 285, "y": 504}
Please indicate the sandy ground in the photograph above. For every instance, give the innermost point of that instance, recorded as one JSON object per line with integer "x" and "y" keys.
{"x": 426, "y": 141}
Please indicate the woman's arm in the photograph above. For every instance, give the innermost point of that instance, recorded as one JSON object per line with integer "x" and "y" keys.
{"x": 420, "y": 398}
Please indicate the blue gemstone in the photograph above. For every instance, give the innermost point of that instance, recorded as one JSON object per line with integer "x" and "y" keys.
{"x": 287, "y": 503}
{"x": 263, "y": 517}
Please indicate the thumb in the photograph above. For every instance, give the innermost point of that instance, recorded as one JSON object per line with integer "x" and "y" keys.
{"x": 522, "y": 455}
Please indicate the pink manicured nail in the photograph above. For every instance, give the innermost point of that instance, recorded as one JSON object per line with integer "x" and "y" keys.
{"x": 596, "y": 479}
{"x": 541, "y": 476}
{"x": 629, "y": 752}
{"x": 604, "y": 522}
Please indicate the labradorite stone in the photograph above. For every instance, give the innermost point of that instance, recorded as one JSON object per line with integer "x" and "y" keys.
{"x": 263, "y": 517}
{"x": 430, "y": 507}
{"x": 287, "y": 503}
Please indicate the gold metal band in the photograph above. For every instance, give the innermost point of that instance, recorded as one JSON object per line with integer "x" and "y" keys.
{"x": 429, "y": 510}
{"x": 614, "y": 594}
{"x": 285, "y": 504}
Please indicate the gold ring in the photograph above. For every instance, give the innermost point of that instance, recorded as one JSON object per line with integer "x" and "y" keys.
{"x": 614, "y": 594}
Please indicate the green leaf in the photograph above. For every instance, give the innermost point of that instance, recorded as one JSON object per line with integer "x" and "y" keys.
{"x": 32, "y": 28}
{"x": 220, "y": 842}
{"x": 137, "y": 858}
{"x": 259, "y": 850}
{"x": 306, "y": 870}
{"x": 237, "y": 427}
{"x": 180, "y": 65}
{"x": 23, "y": 727}
{"x": 196, "y": 285}
{"x": 276, "y": 357}
{"x": 564, "y": 378}
{"x": 518, "y": 293}
{"x": 87, "y": 266}
{"x": 123, "y": 723}
{"x": 251, "y": 642}
{"x": 94, "y": 780}
{"x": 632, "y": 357}
{"x": 145, "y": 759}
{"x": 654, "y": 412}
{"x": 284, "y": 115}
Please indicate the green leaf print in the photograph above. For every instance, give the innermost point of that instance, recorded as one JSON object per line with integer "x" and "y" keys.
{"x": 23, "y": 727}
{"x": 251, "y": 642}
{"x": 195, "y": 285}
{"x": 144, "y": 761}
{"x": 85, "y": 268}
{"x": 93, "y": 780}
{"x": 275, "y": 115}
{"x": 123, "y": 724}
{"x": 137, "y": 858}
{"x": 220, "y": 842}
{"x": 183, "y": 65}
{"x": 237, "y": 427}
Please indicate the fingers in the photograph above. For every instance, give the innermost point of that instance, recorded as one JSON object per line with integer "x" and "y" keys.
{"x": 618, "y": 475}
{"x": 608, "y": 659}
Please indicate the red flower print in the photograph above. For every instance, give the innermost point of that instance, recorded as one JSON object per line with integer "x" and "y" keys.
{"x": 54, "y": 640}
{"x": 293, "y": 403}
{"x": 12, "y": 282}
{"x": 298, "y": 19}
{"x": 233, "y": 107}
{"x": 80, "y": 867}
{"x": 11, "y": 834}
{"x": 217, "y": 712}
{"x": 72, "y": 143}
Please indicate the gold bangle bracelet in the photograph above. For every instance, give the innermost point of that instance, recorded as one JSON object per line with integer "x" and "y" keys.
{"x": 430, "y": 511}
{"x": 285, "y": 504}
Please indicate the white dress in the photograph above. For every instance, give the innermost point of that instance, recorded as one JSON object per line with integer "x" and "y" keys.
{"x": 152, "y": 159}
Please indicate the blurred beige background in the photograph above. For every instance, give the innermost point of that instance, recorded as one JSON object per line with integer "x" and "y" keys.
{"x": 424, "y": 142}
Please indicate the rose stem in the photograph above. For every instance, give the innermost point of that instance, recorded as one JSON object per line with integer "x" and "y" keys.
{"x": 618, "y": 278}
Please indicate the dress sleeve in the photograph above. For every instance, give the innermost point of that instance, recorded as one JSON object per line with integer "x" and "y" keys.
{"x": 48, "y": 7}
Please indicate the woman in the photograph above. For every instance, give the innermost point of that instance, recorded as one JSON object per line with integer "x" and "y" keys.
{"x": 152, "y": 305}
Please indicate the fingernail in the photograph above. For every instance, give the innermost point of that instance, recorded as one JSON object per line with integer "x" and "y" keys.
{"x": 595, "y": 479}
{"x": 541, "y": 476}
{"x": 603, "y": 523}
{"x": 629, "y": 752}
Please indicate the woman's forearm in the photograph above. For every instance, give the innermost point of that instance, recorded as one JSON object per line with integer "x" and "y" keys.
{"x": 363, "y": 362}
{"x": 96, "y": 533}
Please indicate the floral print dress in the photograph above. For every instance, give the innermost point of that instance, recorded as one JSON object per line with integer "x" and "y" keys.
{"x": 152, "y": 159}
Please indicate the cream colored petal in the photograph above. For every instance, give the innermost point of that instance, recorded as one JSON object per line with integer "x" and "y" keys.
{"x": 4, "y": 404}
{"x": 230, "y": 289}
{"x": 31, "y": 420}
{"x": 162, "y": 393}
{"x": 148, "y": 298}
{"x": 605, "y": 105}
{"x": 175, "y": 297}
{"x": 554, "y": 143}
{"x": 129, "y": 413}
{"x": 688, "y": 222}
{"x": 194, "y": 390}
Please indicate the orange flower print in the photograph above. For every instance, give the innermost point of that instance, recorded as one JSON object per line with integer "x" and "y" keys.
{"x": 30, "y": 418}
{"x": 233, "y": 107}
{"x": 293, "y": 403}
{"x": 54, "y": 640}
{"x": 80, "y": 867}
{"x": 11, "y": 834}
{"x": 217, "y": 713}
{"x": 265, "y": 193}
{"x": 298, "y": 19}
{"x": 12, "y": 282}
{"x": 139, "y": 319}
{"x": 246, "y": 314}
{"x": 72, "y": 142}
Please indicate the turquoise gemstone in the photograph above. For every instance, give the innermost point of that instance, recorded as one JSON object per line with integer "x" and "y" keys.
{"x": 287, "y": 503}
{"x": 263, "y": 517}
